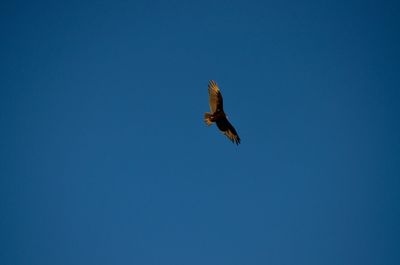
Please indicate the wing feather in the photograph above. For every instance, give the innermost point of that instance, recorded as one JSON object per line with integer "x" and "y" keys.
{"x": 215, "y": 97}
{"x": 227, "y": 128}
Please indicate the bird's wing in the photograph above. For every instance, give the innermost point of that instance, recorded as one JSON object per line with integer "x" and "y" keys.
{"x": 215, "y": 97}
{"x": 226, "y": 127}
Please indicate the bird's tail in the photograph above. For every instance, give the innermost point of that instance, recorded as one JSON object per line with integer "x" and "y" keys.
{"x": 207, "y": 118}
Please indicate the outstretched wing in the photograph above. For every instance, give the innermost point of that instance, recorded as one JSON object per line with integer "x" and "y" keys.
{"x": 215, "y": 97}
{"x": 226, "y": 127}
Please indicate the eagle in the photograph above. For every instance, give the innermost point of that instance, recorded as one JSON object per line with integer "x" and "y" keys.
{"x": 218, "y": 115}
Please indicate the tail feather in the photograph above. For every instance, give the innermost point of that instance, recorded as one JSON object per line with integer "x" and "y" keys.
{"x": 207, "y": 118}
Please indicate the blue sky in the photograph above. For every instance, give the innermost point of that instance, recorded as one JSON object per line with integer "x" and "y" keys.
{"x": 105, "y": 158}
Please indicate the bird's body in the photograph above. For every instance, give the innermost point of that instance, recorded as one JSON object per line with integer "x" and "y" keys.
{"x": 217, "y": 114}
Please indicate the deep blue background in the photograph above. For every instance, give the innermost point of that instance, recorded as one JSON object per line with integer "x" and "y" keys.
{"x": 105, "y": 158}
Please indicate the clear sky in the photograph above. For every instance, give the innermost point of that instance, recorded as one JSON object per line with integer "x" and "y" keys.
{"x": 105, "y": 158}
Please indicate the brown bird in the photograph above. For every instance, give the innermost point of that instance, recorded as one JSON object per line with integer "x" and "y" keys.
{"x": 218, "y": 115}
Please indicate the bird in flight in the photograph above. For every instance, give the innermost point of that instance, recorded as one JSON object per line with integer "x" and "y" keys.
{"x": 218, "y": 115}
